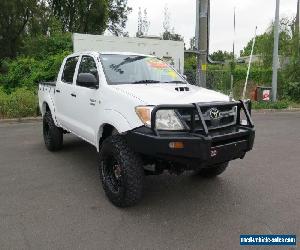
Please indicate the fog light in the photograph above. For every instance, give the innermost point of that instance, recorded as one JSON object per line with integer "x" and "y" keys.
{"x": 244, "y": 122}
{"x": 176, "y": 145}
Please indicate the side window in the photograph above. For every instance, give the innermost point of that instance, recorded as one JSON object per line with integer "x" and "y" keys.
{"x": 69, "y": 70}
{"x": 88, "y": 65}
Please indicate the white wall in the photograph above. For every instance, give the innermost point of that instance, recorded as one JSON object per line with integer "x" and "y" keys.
{"x": 159, "y": 48}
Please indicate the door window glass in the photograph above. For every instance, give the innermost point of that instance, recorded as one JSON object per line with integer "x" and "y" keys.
{"x": 69, "y": 70}
{"x": 88, "y": 65}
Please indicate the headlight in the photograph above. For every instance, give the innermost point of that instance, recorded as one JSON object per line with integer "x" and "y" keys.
{"x": 168, "y": 120}
{"x": 165, "y": 119}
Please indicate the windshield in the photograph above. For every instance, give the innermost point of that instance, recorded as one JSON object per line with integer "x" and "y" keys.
{"x": 124, "y": 69}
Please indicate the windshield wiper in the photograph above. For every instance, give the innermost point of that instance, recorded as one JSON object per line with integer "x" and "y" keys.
{"x": 176, "y": 82}
{"x": 146, "y": 81}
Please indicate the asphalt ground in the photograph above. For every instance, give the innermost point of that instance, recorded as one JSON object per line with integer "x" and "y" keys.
{"x": 55, "y": 201}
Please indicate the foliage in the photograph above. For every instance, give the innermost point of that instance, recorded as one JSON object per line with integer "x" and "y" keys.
{"x": 26, "y": 20}
{"x": 292, "y": 91}
{"x": 28, "y": 72}
{"x": 143, "y": 23}
{"x": 260, "y": 75}
{"x": 167, "y": 19}
{"x": 169, "y": 34}
{"x": 43, "y": 46}
{"x": 265, "y": 43}
{"x": 221, "y": 56}
{"x": 118, "y": 12}
{"x": 190, "y": 63}
{"x": 14, "y": 17}
{"x": 20, "y": 103}
{"x": 218, "y": 76}
{"x": 271, "y": 105}
{"x": 93, "y": 16}
{"x": 81, "y": 16}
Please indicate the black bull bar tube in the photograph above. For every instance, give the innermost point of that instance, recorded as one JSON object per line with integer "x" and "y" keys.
{"x": 241, "y": 105}
{"x": 203, "y": 146}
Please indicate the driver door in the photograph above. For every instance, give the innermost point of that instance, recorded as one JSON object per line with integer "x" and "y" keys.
{"x": 87, "y": 107}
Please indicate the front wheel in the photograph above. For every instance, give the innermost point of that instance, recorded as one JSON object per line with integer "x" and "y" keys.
{"x": 212, "y": 171}
{"x": 121, "y": 172}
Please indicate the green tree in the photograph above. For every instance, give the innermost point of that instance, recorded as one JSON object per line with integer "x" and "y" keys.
{"x": 118, "y": 12}
{"x": 14, "y": 18}
{"x": 143, "y": 23}
{"x": 21, "y": 21}
{"x": 43, "y": 46}
{"x": 91, "y": 16}
{"x": 169, "y": 34}
{"x": 265, "y": 42}
{"x": 221, "y": 56}
{"x": 81, "y": 16}
{"x": 42, "y": 21}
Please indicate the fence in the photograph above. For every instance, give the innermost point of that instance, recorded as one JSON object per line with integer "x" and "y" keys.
{"x": 219, "y": 80}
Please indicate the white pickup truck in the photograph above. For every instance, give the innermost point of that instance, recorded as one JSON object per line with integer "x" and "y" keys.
{"x": 143, "y": 118}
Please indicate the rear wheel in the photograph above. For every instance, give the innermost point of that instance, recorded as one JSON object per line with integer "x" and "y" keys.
{"x": 53, "y": 135}
{"x": 121, "y": 172}
{"x": 212, "y": 171}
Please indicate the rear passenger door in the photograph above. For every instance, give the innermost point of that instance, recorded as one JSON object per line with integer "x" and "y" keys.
{"x": 65, "y": 96}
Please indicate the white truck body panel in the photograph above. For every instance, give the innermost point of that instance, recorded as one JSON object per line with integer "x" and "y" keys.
{"x": 167, "y": 94}
{"x": 168, "y": 50}
{"x": 115, "y": 105}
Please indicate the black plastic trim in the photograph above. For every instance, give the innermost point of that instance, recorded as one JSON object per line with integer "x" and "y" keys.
{"x": 229, "y": 144}
{"x": 244, "y": 106}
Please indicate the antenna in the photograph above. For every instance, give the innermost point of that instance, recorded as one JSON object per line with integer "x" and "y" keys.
{"x": 249, "y": 66}
{"x": 234, "y": 30}
{"x": 298, "y": 28}
{"x": 233, "y": 56}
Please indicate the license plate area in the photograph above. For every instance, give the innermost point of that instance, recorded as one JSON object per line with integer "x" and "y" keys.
{"x": 228, "y": 152}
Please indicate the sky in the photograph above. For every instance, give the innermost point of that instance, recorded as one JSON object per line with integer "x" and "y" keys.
{"x": 249, "y": 14}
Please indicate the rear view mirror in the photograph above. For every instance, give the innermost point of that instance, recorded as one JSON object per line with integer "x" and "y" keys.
{"x": 87, "y": 80}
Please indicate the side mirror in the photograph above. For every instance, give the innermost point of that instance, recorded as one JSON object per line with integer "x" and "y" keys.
{"x": 87, "y": 80}
{"x": 184, "y": 77}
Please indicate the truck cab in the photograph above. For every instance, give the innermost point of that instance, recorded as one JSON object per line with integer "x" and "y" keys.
{"x": 143, "y": 117}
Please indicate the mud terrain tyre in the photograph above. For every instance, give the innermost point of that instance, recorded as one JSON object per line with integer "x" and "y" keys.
{"x": 121, "y": 172}
{"x": 53, "y": 136}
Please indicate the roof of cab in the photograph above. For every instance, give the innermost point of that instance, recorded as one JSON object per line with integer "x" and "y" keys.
{"x": 95, "y": 53}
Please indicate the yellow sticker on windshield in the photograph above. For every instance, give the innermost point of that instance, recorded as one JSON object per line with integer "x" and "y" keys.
{"x": 172, "y": 73}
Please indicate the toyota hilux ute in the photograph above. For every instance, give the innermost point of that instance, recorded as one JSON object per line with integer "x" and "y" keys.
{"x": 144, "y": 118}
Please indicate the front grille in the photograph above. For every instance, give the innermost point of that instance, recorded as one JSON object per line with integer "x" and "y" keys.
{"x": 227, "y": 117}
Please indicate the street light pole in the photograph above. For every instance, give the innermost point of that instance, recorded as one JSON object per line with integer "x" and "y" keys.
{"x": 275, "y": 52}
{"x": 202, "y": 36}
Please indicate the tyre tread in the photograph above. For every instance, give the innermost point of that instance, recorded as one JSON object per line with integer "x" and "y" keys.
{"x": 55, "y": 141}
{"x": 134, "y": 173}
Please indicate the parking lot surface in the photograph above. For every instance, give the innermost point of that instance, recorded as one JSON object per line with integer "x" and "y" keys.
{"x": 55, "y": 201}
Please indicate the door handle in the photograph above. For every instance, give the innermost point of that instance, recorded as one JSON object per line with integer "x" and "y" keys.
{"x": 73, "y": 95}
{"x": 92, "y": 102}
{"x": 57, "y": 91}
